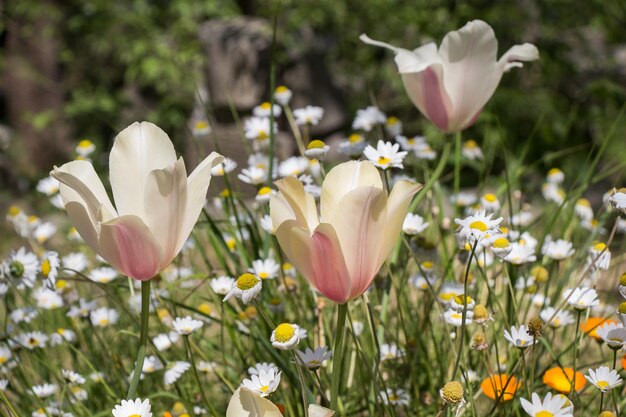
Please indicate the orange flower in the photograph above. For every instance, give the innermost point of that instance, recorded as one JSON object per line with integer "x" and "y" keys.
{"x": 493, "y": 385}
{"x": 560, "y": 379}
{"x": 590, "y": 326}
{"x": 624, "y": 362}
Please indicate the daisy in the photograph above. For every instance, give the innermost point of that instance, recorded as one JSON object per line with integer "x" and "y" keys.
{"x": 562, "y": 317}
{"x": 521, "y": 219}
{"x": 267, "y": 224}
{"x": 262, "y": 367}
{"x": 62, "y": 335}
{"x": 5, "y": 355}
{"x": 425, "y": 152}
{"x": 83, "y": 308}
{"x": 57, "y": 201}
{"x": 599, "y": 257}
{"x": 455, "y": 318}
{"x": 85, "y": 148}
{"x": 43, "y": 232}
{"x": 521, "y": 253}
{"x": 253, "y": 175}
{"x": 74, "y": 262}
{"x": 313, "y": 359}
{"x": 603, "y": 378}
{"x": 175, "y": 371}
{"x": 103, "y": 275}
{"x": 151, "y": 364}
{"x": 258, "y": 128}
{"x": 265, "y": 268}
{"x": 48, "y": 186}
{"x": 296, "y": 165}
{"x": 501, "y": 247}
{"x": 44, "y": 390}
{"x": 200, "y": 129}
{"x": 395, "y": 396}
{"x": 204, "y": 366}
{"x": 22, "y": 267}
{"x": 460, "y": 303}
{"x": 471, "y": 150}
{"x": 553, "y": 193}
{"x": 264, "y": 383}
{"x": 104, "y": 317}
{"x": 583, "y": 209}
{"x": 617, "y": 199}
{"x": 246, "y": 288}
{"x": 224, "y": 167}
{"x": 282, "y": 95}
{"x": 222, "y": 284}
{"x": 390, "y": 351}
{"x": 413, "y": 224}
{"x": 385, "y": 155}
{"x": 448, "y": 291}
{"x": 475, "y": 227}
{"x": 285, "y": 336}
{"x": 32, "y": 340}
{"x": 489, "y": 202}
{"x": 555, "y": 176}
{"x": 366, "y": 119}
{"x": 316, "y": 149}
{"x": 353, "y": 145}
{"x": 464, "y": 199}
{"x": 393, "y": 126}
{"x": 581, "y": 298}
{"x": 557, "y": 249}
{"x": 130, "y": 408}
{"x": 613, "y": 334}
{"x": 186, "y": 325}
{"x": 411, "y": 144}
{"x": 50, "y": 268}
{"x": 73, "y": 377}
{"x": 309, "y": 115}
{"x": 47, "y": 299}
{"x": 23, "y": 315}
{"x": 265, "y": 110}
{"x": 519, "y": 337}
{"x": 163, "y": 341}
{"x": 553, "y": 406}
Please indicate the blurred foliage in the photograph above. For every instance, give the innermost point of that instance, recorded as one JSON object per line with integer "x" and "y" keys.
{"x": 140, "y": 58}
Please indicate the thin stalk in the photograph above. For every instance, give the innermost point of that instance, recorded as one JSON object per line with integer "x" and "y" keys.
{"x": 305, "y": 403}
{"x": 143, "y": 337}
{"x": 197, "y": 377}
{"x": 573, "y": 382}
{"x": 342, "y": 310}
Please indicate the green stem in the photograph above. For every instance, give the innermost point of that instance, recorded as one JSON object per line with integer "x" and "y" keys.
{"x": 305, "y": 405}
{"x": 457, "y": 164}
{"x": 573, "y": 382}
{"x": 8, "y": 404}
{"x": 143, "y": 337}
{"x": 197, "y": 377}
{"x": 342, "y": 310}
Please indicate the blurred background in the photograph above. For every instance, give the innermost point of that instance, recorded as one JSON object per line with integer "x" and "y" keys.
{"x": 85, "y": 69}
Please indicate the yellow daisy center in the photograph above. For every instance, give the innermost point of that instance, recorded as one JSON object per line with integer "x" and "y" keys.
{"x": 603, "y": 384}
{"x": 470, "y": 144}
{"x": 599, "y": 246}
{"x": 478, "y": 225}
{"x": 264, "y": 275}
{"x": 45, "y": 267}
{"x": 205, "y": 308}
{"x": 544, "y": 414}
{"x": 262, "y": 135}
{"x": 231, "y": 243}
{"x": 264, "y": 191}
{"x": 281, "y": 89}
{"x": 554, "y": 171}
{"x": 61, "y": 284}
{"x": 490, "y": 197}
{"x": 583, "y": 202}
{"x": 201, "y": 125}
{"x": 383, "y": 160}
{"x": 501, "y": 243}
{"x": 392, "y": 120}
{"x": 14, "y": 211}
{"x": 3, "y": 360}
{"x": 284, "y": 332}
{"x": 459, "y": 299}
{"x": 264, "y": 388}
{"x": 316, "y": 144}
{"x": 247, "y": 281}
{"x": 266, "y": 105}
{"x": 427, "y": 265}
{"x": 85, "y": 143}
{"x": 446, "y": 296}
{"x": 103, "y": 322}
{"x": 355, "y": 138}
{"x": 61, "y": 331}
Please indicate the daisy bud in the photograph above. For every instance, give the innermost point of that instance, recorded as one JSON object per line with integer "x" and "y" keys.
{"x": 479, "y": 342}
{"x": 535, "y": 327}
{"x": 316, "y": 149}
{"x": 481, "y": 314}
{"x": 452, "y": 393}
{"x": 539, "y": 273}
{"x": 606, "y": 414}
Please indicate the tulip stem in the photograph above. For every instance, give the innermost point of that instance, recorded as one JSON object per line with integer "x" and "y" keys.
{"x": 143, "y": 337}
{"x": 457, "y": 163}
{"x": 342, "y": 310}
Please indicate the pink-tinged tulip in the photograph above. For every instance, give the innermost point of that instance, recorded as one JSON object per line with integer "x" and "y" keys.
{"x": 245, "y": 403}
{"x": 450, "y": 85}
{"x": 156, "y": 205}
{"x": 341, "y": 250}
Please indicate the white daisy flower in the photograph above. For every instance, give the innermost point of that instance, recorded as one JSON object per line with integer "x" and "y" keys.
{"x": 519, "y": 337}
{"x": 85, "y": 148}
{"x": 76, "y": 261}
{"x": 263, "y": 384}
{"x": 553, "y": 406}
{"x": 489, "y": 202}
{"x": 50, "y": 268}
{"x": 32, "y": 340}
{"x": 186, "y": 325}
{"x": 23, "y": 315}
{"x": 557, "y": 249}
{"x": 411, "y": 144}
{"x": 282, "y": 95}
{"x": 83, "y": 308}
{"x": 581, "y": 298}
{"x": 57, "y": 201}
{"x": 175, "y": 371}
{"x": 617, "y": 199}
{"x": 613, "y": 334}
{"x": 471, "y": 150}
{"x": 353, "y": 145}
{"x": 4, "y": 383}
{"x": 464, "y": 199}
{"x": 313, "y": 359}
{"x": 246, "y": 288}
{"x": 265, "y": 110}
{"x": 521, "y": 219}
{"x": 258, "y": 128}
{"x": 475, "y": 227}
{"x": 104, "y": 317}
{"x": 263, "y": 367}
{"x": 151, "y": 364}
{"x": 296, "y": 165}
{"x": 562, "y": 318}
{"x": 285, "y": 336}
{"x": 103, "y": 275}
{"x": 200, "y": 128}
{"x": 393, "y": 126}
{"x": 603, "y": 378}
{"x": 455, "y": 318}
{"x": 62, "y": 335}
{"x": 224, "y": 167}
{"x": 5, "y": 355}
{"x": 413, "y": 224}
{"x": 395, "y": 397}
{"x": 448, "y": 291}
{"x": 73, "y": 377}
{"x": 44, "y": 390}
{"x": 583, "y": 209}
{"x": 385, "y": 155}
{"x": 555, "y": 176}
{"x": 253, "y": 175}
{"x": 599, "y": 257}
{"x": 366, "y": 119}
{"x": 222, "y": 284}
{"x": 426, "y": 152}
{"x": 164, "y": 341}
{"x": 47, "y": 299}
{"x": 130, "y": 408}
{"x": 265, "y": 268}
{"x": 389, "y": 351}
{"x": 553, "y": 193}
{"x": 267, "y": 224}
{"x": 48, "y": 186}
{"x": 22, "y": 268}
{"x": 316, "y": 150}
{"x": 204, "y": 366}
{"x": 309, "y": 115}
{"x": 43, "y": 232}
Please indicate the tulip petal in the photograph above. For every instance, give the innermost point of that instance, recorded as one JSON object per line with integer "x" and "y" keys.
{"x": 359, "y": 220}
{"x": 319, "y": 411}
{"x": 318, "y": 257}
{"x": 79, "y": 216}
{"x": 128, "y": 245}
{"x": 80, "y": 183}
{"x": 426, "y": 91}
{"x": 470, "y": 75}
{"x": 409, "y": 61}
{"x": 397, "y": 207}
{"x": 197, "y": 186}
{"x": 166, "y": 196}
{"x": 138, "y": 150}
{"x": 512, "y": 57}
{"x": 302, "y": 203}
{"x": 344, "y": 178}
{"x": 280, "y": 210}
{"x": 245, "y": 403}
